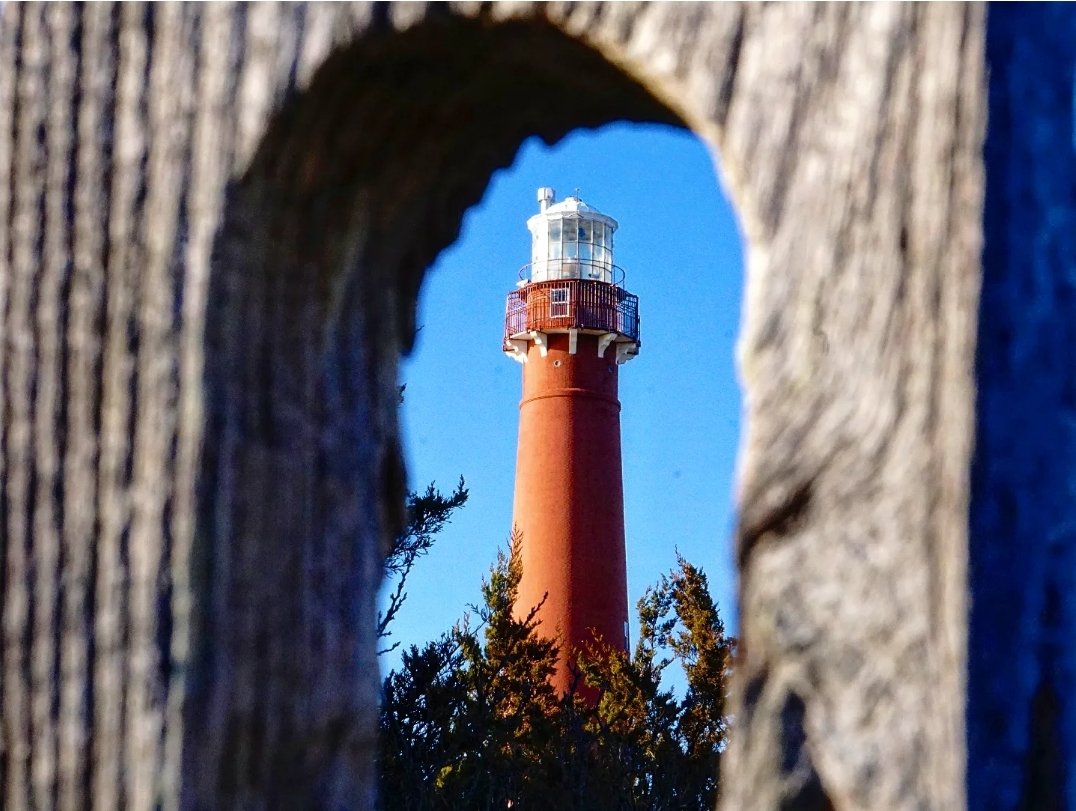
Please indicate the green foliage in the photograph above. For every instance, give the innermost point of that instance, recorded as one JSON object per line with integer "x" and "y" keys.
{"x": 478, "y": 737}
{"x": 427, "y": 515}
{"x": 420, "y": 722}
{"x": 470, "y": 721}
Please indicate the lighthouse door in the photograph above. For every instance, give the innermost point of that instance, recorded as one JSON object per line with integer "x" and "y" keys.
{"x": 559, "y": 303}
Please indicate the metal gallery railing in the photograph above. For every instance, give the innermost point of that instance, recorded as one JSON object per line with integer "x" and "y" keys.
{"x": 573, "y": 268}
{"x": 571, "y": 304}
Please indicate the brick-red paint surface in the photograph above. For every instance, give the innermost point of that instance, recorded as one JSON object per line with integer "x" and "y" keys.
{"x": 569, "y": 497}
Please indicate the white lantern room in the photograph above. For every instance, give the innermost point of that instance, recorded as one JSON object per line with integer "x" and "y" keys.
{"x": 570, "y": 240}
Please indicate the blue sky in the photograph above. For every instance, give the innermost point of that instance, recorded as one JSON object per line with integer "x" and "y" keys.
{"x": 679, "y": 243}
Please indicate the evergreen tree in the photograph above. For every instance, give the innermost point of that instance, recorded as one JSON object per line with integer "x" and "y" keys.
{"x": 421, "y": 714}
{"x": 427, "y": 515}
{"x": 479, "y": 736}
{"x": 470, "y": 720}
{"x": 669, "y": 749}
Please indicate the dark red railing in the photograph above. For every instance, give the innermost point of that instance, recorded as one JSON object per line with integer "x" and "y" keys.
{"x": 572, "y": 304}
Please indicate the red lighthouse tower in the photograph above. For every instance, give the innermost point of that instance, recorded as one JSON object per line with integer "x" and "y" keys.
{"x": 571, "y": 324}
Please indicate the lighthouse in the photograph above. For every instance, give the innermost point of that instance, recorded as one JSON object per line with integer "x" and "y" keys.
{"x": 571, "y": 324}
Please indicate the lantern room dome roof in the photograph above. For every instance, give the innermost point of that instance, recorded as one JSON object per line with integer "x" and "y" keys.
{"x": 572, "y": 205}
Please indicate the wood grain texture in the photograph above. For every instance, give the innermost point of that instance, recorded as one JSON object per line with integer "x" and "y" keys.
{"x": 857, "y": 357}
{"x": 215, "y": 225}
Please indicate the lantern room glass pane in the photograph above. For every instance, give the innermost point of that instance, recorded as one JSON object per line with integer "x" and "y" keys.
{"x": 601, "y": 256}
{"x": 571, "y": 232}
{"x": 586, "y": 232}
{"x": 554, "y": 231}
{"x": 586, "y": 251}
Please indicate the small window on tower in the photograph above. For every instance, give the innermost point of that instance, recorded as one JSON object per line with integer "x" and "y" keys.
{"x": 558, "y": 302}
